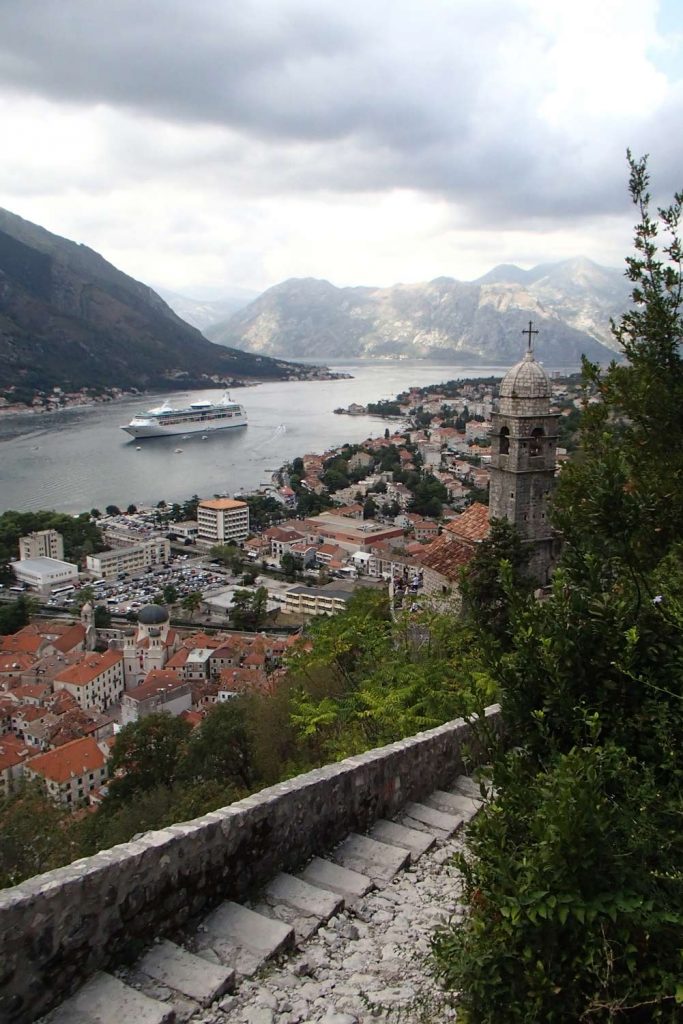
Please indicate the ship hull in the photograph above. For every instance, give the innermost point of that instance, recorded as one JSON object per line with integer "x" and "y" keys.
{"x": 178, "y": 429}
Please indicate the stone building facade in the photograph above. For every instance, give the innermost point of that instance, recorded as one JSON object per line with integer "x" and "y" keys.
{"x": 524, "y": 436}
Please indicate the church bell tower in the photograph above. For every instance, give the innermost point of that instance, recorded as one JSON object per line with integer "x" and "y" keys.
{"x": 523, "y": 446}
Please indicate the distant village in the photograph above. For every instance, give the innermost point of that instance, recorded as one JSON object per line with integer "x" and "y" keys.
{"x": 404, "y": 511}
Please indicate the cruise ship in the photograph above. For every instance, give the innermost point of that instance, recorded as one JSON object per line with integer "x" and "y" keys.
{"x": 197, "y": 418}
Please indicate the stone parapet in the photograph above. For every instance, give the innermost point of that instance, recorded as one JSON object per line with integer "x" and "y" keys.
{"x": 60, "y": 927}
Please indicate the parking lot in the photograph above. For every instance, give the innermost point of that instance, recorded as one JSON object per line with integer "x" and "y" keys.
{"x": 129, "y": 593}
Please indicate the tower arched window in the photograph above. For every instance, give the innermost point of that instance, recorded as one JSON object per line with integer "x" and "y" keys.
{"x": 504, "y": 441}
{"x": 536, "y": 442}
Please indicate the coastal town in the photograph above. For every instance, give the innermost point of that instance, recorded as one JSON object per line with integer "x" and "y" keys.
{"x": 188, "y": 606}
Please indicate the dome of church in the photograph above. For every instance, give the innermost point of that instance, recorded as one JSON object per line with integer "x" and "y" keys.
{"x": 527, "y": 379}
{"x": 152, "y": 615}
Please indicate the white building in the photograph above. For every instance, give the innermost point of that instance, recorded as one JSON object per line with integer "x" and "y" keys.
{"x": 70, "y": 772}
{"x": 187, "y": 529}
{"x": 95, "y": 680}
{"x": 43, "y": 574}
{"x": 220, "y": 520}
{"x": 162, "y": 690}
{"x": 42, "y": 544}
{"x": 108, "y": 564}
{"x": 327, "y": 600}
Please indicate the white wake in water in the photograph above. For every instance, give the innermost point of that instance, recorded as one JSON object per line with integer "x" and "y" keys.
{"x": 278, "y": 432}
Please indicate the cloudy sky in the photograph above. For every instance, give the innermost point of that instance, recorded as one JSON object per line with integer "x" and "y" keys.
{"x": 208, "y": 145}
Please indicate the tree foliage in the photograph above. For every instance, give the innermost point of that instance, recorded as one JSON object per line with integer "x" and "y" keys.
{"x": 572, "y": 884}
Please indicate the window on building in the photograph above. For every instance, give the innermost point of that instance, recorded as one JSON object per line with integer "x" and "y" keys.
{"x": 536, "y": 442}
{"x": 504, "y": 441}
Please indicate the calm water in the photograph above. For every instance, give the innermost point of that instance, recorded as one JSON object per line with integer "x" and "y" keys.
{"x": 78, "y": 459}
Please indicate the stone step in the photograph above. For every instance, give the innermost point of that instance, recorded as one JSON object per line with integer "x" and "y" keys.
{"x": 433, "y": 818}
{"x": 106, "y": 1000}
{"x": 378, "y": 861}
{"x": 468, "y": 786}
{"x": 410, "y": 839}
{"x": 304, "y": 926}
{"x": 186, "y": 973}
{"x": 300, "y": 895}
{"x": 428, "y": 830}
{"x": 326, "y": 875}
{"x": 242, "y": 938}
{"x": 453, "y": 803}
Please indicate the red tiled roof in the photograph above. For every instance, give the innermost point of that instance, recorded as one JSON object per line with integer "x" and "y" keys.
{"x": 89, "y": 667}
{"x": 472, "y": 525}
{"x": 178, "y": 659}
{"x": 446, "y": 556}
{"x": 73, "y": 759}
{"x": 157, "y": 681}
{"x": 37, "y": 691}
{"x": 191, "y": 643}
{"x": 70, "y": 638}
{"x": 23, "y": 642}
{"x": 29, "y": 712}
{"x": 15, "y": 662}
{"x": 14, "y": 751}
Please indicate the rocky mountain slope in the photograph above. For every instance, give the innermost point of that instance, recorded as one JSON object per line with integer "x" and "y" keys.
{"x": 202, "y": 313}
{"x": 68, "y": 318}
{"x": 467, "y": 322}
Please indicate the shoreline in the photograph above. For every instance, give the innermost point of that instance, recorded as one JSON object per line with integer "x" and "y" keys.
{"x": 29, "y": 410}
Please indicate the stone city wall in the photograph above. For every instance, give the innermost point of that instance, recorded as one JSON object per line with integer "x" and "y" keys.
{"x": 58, "y": 928}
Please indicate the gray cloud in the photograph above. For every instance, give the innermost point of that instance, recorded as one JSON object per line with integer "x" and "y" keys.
{"x": 300, "y": 97}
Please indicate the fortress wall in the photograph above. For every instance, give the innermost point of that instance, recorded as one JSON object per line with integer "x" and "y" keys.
{"x": 58, "y": 928}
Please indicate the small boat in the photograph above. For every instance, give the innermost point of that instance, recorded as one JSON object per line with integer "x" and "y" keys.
{"x": 138, "y": 447}
{"x": 204, "y": 437}
{"x": 178, "y": 451}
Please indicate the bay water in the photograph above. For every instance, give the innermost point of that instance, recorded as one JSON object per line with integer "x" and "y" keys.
{"x": 76, "y": 459}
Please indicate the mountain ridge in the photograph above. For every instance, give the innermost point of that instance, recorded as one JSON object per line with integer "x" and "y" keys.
{"x": 70, "y": 319}
{"x": 571, "y": 303}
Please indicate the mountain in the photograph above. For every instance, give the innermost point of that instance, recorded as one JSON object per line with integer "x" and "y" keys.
{"x": 70, "y": 319}
{"x": 442, "y": 320}
{"x": 582, "y": 293}
{"x": 203, "y": 313}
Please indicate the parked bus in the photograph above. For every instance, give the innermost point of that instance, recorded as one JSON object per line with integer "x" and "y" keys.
{"x": 66, "y": 589}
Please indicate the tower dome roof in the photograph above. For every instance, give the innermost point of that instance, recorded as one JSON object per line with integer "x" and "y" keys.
{"x": 527, "y": 379}
{"x": 152, "y": 615}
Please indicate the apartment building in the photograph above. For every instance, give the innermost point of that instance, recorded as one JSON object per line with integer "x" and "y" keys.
{"x": 220, "y": 520}
{"x": 108, "y": 564}
{"x": 96, "y": 680}
{"x": 42, "y": 544}
{"x": 70, "y": 772}
{"x": 326, "y": 600}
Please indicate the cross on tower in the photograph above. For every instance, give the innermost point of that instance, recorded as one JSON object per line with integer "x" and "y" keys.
{"x": 529, "y": 330}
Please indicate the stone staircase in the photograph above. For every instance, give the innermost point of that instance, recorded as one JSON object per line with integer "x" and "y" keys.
{"x": 171, "y": 984}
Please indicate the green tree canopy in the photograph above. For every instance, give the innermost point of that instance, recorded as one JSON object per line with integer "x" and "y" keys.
{"x": 147, "y": 754}
{"x": 220, "y": 749}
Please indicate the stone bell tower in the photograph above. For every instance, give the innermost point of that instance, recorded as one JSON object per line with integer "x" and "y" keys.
{"x": 523, "y": 445}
